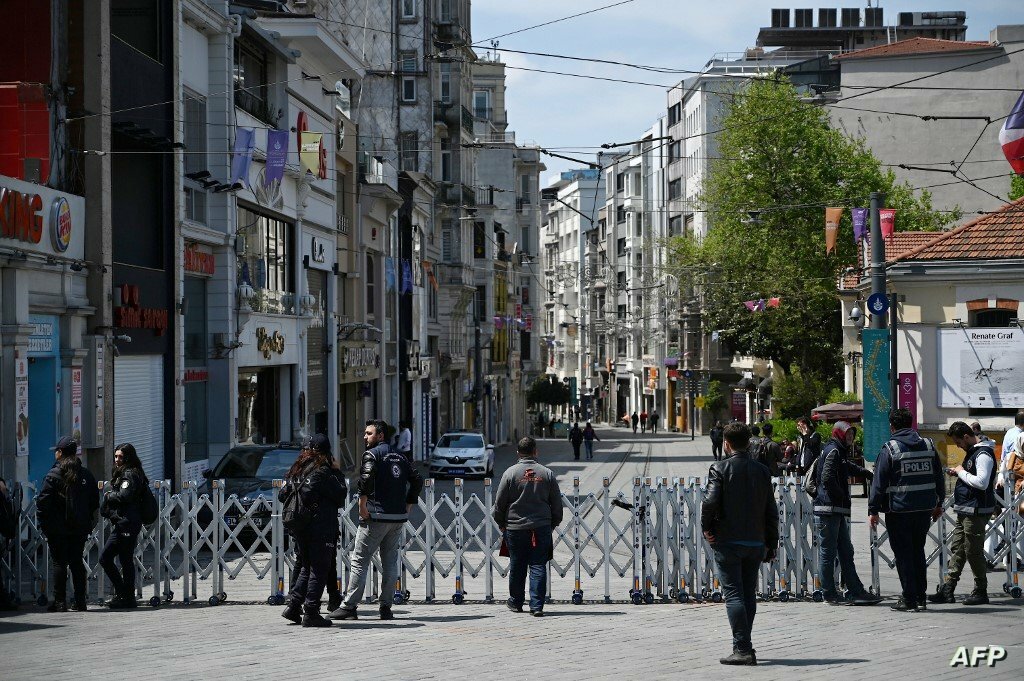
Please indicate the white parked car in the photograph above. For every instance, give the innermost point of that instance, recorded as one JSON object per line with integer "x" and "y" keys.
{"x": 461, "y": 454}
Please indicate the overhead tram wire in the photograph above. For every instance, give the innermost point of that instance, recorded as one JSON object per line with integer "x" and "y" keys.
{"x": 555, "y": 21}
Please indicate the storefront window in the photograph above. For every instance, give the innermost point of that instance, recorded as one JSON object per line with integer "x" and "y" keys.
{"x": 265, "y": 261}
{"x": 259, "y": 405}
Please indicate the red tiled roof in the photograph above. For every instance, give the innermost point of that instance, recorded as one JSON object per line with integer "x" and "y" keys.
{"x": 895, "y": 246}
{"x": 993, "y": 236}
{"x": 910, "y": 46}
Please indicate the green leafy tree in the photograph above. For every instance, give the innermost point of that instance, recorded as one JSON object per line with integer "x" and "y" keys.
{"x": 779, "y": 156}
{"x": 837, "y": 395}
{"x": 1016, "y": 187}
{"x": 795, "y": 394}
{"x": 544, "y": 391}
{"x": 714, "y": 401}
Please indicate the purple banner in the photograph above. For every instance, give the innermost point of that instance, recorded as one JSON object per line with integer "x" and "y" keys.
{"x": 277, "y": 154}
{"x": 245, "y": 140}
{"x": 860, "y": 218}
{"x": 908, "y": 395}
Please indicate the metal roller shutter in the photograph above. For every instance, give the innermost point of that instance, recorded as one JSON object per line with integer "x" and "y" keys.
{"x": 139, "y": 409}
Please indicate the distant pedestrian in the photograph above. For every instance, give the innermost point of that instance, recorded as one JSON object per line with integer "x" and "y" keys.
{"x": 527, "y": 507}
{"x": 808, "y": 445}
{"x": 740, "y": 520}
{"x": 576, "y": 439}
{"x": 67, "y": 507}
{"x": 589, "y": 435}
{"x": 768, "y": 452}
{"x": 122, "y": 507}
{"x": 832, "y": 518}
{"x": 643, "y": 421}
{"x": 636, "y": 421}
{"x": 404, "y": 441}
{"x": 654, "y": 422}
{"x": 316, "y": 477}
{"x": 982, "y": 438}
{"x": 388, "y": 487}
{"x": 755, "y": 438}
{"x": 974, "y": 502}
{"x": 908, "y": 487}
{"x": 716, "y": 440}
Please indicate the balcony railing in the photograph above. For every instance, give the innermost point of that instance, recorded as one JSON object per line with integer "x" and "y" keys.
{"x": 455, "y": 275}
{"x": 467, "y": 121}
{"x": 259, "y": 107}
{"x": 343, "y": 224}
{"x": 485, "y": 196}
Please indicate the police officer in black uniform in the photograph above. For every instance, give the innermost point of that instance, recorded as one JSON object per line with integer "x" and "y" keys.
{"x": 908, "y": 487}
{"x": 66, "y": 507}
{"x": 316, "y": 473}
{"x": 122, "y": 507}
{"x": 974, "y": 501}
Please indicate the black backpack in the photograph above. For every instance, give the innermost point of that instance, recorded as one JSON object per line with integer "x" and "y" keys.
{"x": 149, "y": 509}
{"x": 78, "y": 516}
{"x": 297, "y": 505}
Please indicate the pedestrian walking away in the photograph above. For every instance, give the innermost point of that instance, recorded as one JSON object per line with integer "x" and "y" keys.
{"x": 388, "y": 487}
{"x": 974, "y": 502}
{"x": 716, "y": 441}
{"x": 589, "y": 435}
{"x": 909, "y": 488}
{"x": 527, "y": 507}
{"x": 68, "y": 507}
{"x": 576, "y": 439}
{"x": 635, "y": 418}
{"x": 808, "y": 445}
{"x": 769, "y": 452}
{"x": 403, "y": 442}
{"x": 654, "y": 422}
{"x": 740, "y": 519}
{"x": 121, "y": 505}
{"x": 643, "y": 421}
{"x": 314, "y": 491}
{"x": 832, "y": 518}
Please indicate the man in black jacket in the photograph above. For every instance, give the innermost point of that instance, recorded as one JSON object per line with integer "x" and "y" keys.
{"x": 740, "y": 520}
{"x": 388, "y": 487}
{"x": 768, "y": 451}
{"x": 808, "y": 445}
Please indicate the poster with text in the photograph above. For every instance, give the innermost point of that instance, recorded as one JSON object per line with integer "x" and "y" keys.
{"x": 981, "y": 367}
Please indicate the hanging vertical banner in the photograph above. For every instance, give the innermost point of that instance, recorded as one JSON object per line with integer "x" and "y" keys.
{"x": 277, "y": 155}
{"x": 245, "y": 141}
{"x": 21, "y": 422}
{"x": 406, "y": 276}
{"x": 887, "y": 216}
{"x": 529, "y": 322}
{"x": 428, "y": 267}
{"x": 908, "y": 395}
{"x": 832, "y": 218}
{"x": 860, "y": 220}
{"x": 309, "y": 151}
{"x": 76, "y": 406}
{"x": 877, "y": 395}
{"x": 389, "y": 273}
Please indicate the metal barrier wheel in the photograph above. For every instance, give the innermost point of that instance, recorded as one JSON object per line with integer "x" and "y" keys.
{"x": 399, "y": 598}
{"x": 637, "y": 598}
{"x": 577, "y": 598}
{"x": 154, "y": 601}
{"x": 716, "y": 597}
{"x": 1015, "y": 592}
{"x": 271, "y": 600}
{"x": 784, "y": 596}
{"x": 649, "y": 598}
{"x": 42, "y": 600}
{"x": 818, "y": 596}
{"x": 222, "y": 597}
{"x": 214, "y": 600}
{"x": 682, "y": 597}
{"x": 458, "y": 599}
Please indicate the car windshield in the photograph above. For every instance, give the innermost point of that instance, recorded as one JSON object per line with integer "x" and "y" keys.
{"x": 256, "y": 463}
{"x": 460, "y": 441}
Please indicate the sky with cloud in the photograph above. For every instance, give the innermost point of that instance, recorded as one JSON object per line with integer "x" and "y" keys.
{"x": 578, "y": 114}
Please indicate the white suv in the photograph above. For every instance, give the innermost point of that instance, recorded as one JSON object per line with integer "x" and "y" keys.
{"x": 461, "y": 454}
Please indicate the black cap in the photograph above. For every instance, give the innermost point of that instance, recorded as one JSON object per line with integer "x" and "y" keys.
{"x": 66, "y": 444}
{"x": 317, "y": 443}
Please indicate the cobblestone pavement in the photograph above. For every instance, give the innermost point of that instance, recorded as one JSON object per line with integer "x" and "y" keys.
{"x": 242, "y": 639}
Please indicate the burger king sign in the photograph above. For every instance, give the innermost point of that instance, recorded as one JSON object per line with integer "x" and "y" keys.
{"x": 60, "y": 224}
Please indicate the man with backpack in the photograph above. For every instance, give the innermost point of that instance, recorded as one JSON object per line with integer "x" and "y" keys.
{"x": 388, "y": 487}
{"x": 768, "y": 451}
{"x": 67, "y": 507}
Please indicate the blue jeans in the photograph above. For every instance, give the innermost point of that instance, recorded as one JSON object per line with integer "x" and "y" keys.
{"x": 589, "y": 446}
{"x": 528, "y": 549}
{"x": 738, "y": 568}
{"x": 834, "y": 539}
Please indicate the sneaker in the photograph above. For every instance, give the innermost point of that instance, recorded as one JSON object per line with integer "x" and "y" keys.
{"x": 740, "y": 658}
{"x": 922, "y": 605}
{"x": 343, "y": 613}
{"x": 57, "y": 606}
{"x": 333, "y": 601}
{"x": 293, "y": 613}
{"x": 386, "y": 614}
{"x": 866, "y": 599}
{"x": 511, "y": 605}
{"x": 902, "y": 605}
{"x": 976, "y": 598}
{"x": 537, "y": 613}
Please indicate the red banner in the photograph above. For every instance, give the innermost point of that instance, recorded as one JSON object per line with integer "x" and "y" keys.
{"x": 887, "y": 216}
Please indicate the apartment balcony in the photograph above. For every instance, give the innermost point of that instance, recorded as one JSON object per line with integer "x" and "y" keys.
{"x": 467, "y": 121}
{"x": 451, "y": 354}
{"x": 633, "y": 204}
{"x": 450, "y": 29}
{"x": 455, "y": 275}
{"x": 484, "y": 196}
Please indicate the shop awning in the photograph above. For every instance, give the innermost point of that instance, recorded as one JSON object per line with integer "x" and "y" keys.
{"x": 839, "y": 411}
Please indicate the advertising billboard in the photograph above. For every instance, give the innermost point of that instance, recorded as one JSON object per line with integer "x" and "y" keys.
{"x": 981, "y": 367}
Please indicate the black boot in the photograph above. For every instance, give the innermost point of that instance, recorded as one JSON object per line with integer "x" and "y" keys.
{"x": 293, "y": 612}
{"x": 385, "y": 613}
{"x": 58, "y": 605}
{"x": 944, "y": 594}
{"x": 80, "y": 604}
{"x": 977, "y": 598}
{"x": 311, "y": 617}
{"x": 740, "y": 658}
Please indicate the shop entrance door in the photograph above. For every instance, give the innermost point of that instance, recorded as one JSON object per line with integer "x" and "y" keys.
{"x": 42, "y": 419}
{"x": 259, "y": 405}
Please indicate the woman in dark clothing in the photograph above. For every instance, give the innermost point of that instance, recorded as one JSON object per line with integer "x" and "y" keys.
{"x": 315, "y": 474}
{"x": 66, "y": 508}
{"x": 121, "y": 506}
